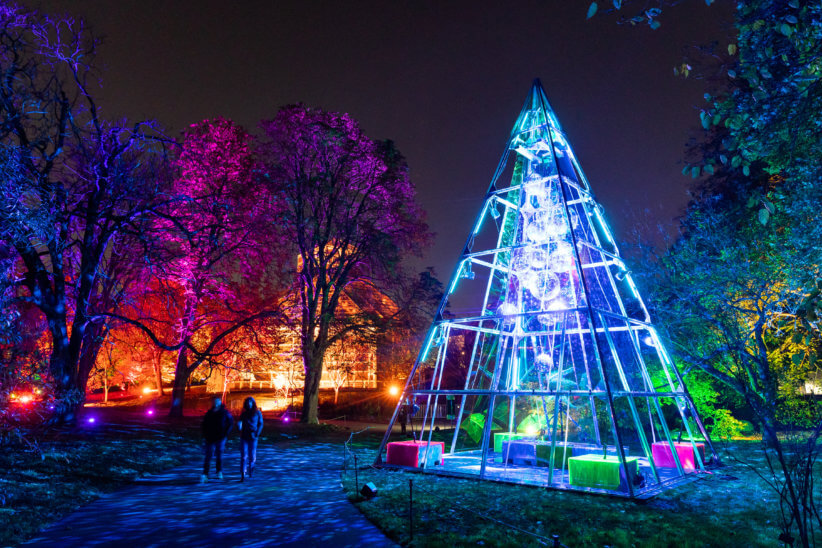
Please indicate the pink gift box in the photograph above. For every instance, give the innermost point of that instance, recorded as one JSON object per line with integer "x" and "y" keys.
{"x": 407, "y": 453}
{"x": 664, "y": 458}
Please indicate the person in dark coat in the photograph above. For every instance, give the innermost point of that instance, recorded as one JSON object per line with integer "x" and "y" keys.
{"x": 217, "y": 424}
{"x": 251, "y": 426}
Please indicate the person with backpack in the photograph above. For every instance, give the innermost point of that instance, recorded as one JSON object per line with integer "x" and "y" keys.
{"x": 251, "y": 426}
{"x": 217, "y": 424}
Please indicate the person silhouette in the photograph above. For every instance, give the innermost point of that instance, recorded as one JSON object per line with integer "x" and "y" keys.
{"x": 251, "y": 426}
{"x": 217, "y": 424}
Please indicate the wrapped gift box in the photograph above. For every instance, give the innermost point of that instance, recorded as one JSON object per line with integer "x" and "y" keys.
{"x": 414, "y": 453}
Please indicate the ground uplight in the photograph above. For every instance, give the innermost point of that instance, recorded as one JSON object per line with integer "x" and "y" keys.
{"x": 393, "y": 390}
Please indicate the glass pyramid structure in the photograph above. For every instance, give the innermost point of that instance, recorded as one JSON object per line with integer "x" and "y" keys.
{"x": 542, "y": 365}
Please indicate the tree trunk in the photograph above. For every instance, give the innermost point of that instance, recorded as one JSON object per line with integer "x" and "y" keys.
{"x": 67, "y": 398}
{"x": 105, "y": 387}
{"x": 311, "y": 394}
{"x": 93, "y": 340}
{"x": 181, "y": 369}
{"x": 791, "y": 495}
{"x": 178, "y": 389}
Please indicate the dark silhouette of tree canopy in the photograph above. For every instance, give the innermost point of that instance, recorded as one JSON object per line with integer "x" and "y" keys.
{"x": 352, "y": 215}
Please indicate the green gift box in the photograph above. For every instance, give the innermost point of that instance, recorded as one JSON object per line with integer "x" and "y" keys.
{"x": 603, "y": 473}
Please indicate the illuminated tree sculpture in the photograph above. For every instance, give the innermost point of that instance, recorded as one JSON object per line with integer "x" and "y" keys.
{"x": 568, "y": 384}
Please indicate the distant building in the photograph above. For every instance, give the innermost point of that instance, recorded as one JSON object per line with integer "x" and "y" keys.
{"x": 350, "y": 363}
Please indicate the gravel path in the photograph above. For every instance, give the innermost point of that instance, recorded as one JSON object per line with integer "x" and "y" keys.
{"x": 294, "y": 499}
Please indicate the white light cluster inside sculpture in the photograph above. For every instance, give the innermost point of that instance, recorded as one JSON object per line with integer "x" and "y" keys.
{"x": 542, "y": 266}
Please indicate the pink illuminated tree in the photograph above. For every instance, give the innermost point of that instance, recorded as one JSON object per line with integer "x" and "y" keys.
{"x": 217, "y": 271}
{"x": 351, "y": 214}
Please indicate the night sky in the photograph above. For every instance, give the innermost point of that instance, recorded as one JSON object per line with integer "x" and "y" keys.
{"x": 444, "y": 80}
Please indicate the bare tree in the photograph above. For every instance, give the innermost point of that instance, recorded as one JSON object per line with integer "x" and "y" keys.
{"x": 352, "y": 215}
{"x": 79, "y": 182}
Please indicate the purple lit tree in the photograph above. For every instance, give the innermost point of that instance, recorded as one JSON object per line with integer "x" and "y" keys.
{"x": 352, "y": 215}
{"x": 78, "y": 183}
{"x": 214, "y": 272}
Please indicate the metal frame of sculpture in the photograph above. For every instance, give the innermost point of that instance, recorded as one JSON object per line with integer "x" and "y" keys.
{"x": 555, "y": 376}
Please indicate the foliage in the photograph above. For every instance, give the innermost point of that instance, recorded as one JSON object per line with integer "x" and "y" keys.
{"x": 740, "y": 288}
{"x": 648, "y": 14}
{"x": 352, "y": 215}
{"x": 716, "y": 406}
{"x": 729, "y": 291}
{"x": 112, "y": 238}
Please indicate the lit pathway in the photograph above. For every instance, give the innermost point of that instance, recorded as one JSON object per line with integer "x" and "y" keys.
{"x": 294, "y": 499}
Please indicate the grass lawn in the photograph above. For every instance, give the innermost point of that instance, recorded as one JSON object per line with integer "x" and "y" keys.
{"x": 72, "y": 466}
{"x": 731, "y": 507}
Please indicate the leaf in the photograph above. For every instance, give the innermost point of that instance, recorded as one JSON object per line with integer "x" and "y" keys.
{"x": 786, "y": 29}
{"x": 763, "y": 216}
{"x": 791, "y": 19}
{"x": 723, "y": 158}
{"x": 797, "y": 358}
{"x": 695, "y": 172}
{"x": 655, "y": 24}
{"x": 592, "y": 9}
{"x": 731, "y": 49}
{"x": 618, "y": 4}
{"x": 796, "y": 338}
{"x": 746, "y": 171}
{"x": 709, "y": 169}
{"x": 732, "y": 73}
{"x": 769, "y": 206}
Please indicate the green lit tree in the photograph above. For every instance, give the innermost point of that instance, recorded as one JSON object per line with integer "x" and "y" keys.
{"x": 740, "y": 288}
